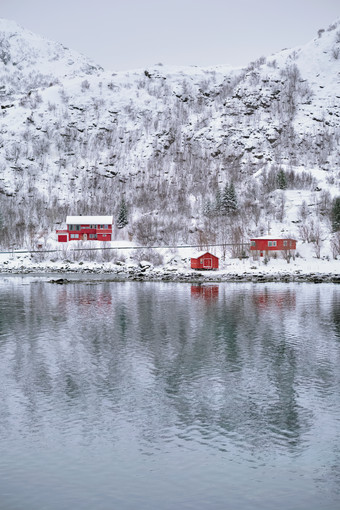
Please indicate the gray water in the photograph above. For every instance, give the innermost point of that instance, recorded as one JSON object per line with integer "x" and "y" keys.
{"x": 169, "y": 396}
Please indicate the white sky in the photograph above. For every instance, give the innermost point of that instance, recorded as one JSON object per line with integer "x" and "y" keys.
{"x": 129, "y": 34}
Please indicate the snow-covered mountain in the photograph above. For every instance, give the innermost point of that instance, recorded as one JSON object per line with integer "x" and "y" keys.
{"x": 76, "y": 139}
{"x": 28, "y": 61}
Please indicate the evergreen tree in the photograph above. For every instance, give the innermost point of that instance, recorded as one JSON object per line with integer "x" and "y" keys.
{"x": 218, "y": 202}
{"x": 208, "y": 209}
{"x": 229, "y": 199}
{"x": 232, "y": 198}
{"x": 225, "y": 199}
{"x": 335, "y": 214}
{"x": 122, "y": 219}
{"x": 281, "y": 179}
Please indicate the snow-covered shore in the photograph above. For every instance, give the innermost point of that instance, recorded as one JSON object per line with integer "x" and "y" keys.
{"x": 178, "y": 270}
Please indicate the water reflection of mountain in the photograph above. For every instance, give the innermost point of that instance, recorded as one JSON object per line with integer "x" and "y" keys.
{"x": 336, "y": 312}
{"x": 101, "y": 356}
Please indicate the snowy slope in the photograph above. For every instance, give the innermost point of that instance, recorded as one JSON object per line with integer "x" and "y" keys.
{"x": 76, "y": 139}
{"x": 28, "y": 61}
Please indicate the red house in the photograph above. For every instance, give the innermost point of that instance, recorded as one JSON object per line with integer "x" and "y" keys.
{"x": 86, "y": 228}
{"x": 268, "y": 244}
{"x": 204, "y": 261}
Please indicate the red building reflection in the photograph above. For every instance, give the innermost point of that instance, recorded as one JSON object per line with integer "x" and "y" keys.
{"x": 206, "y": 292}
{"x": 84, "y": 297}
{"x": 267, "y": 299}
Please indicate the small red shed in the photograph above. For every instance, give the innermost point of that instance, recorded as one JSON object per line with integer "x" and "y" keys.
{"x": 204, "y": 260}
{"x": 267, "y": 244}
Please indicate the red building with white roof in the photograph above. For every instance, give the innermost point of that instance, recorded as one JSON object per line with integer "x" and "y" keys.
{"x": 268, "y": 244}
{"x": 86, "y": 228}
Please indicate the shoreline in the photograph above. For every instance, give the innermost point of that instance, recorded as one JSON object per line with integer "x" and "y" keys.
{"x": 147, "y": 274}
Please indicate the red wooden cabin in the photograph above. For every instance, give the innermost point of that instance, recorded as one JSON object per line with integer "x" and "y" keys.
{"x": 86, "y": 228}
{"x": 266, "y": 245}
{"x": 204, "y": 261}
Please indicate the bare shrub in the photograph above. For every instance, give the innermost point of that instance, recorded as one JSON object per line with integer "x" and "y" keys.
{"x": 85, "y": 85}
{"x": 38, "y": 256}
{"x": 106, "y": 253}
{"x": 119, "y": 257}
{"x": 306, "y": 231}
{"x": 335, "y": 52}
{"x": 335, "y": 245}
{"x": 316, "y": 237}
{"x": 146, "y": 230}
{"x": 325, "y": 203}
{"x": 5, "y": 50}
{"x": 311, "y": 232}
{"x": 281, "y": 207}
{"x": 63, "y": 252}
{"x": 303, "y": 211}
{"x": 256, "y": 63}
{"x": 153, "y": 256}
{"x": 331, "y": 27}
{"x": 205, "y": 237}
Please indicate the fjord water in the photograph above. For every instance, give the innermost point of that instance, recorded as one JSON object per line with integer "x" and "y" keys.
{"x": 126, "y": 395}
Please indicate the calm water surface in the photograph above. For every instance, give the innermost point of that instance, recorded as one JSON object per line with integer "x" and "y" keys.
{"x": 169, "y": 396}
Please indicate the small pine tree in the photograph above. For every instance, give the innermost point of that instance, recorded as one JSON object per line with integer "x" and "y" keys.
{"x": 208, "y": 209}
{"x": 225, "y": 199}
{"x": 218, "y": 202}
{"x": 335, "y": 214}
{"x": 232, "y": 198}
{"x": 122, "y": 219}
{"x": 281, "y": 179}
{"x": 229, "y": 199}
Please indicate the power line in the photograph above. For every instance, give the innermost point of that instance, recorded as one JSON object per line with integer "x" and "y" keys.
{"x": 170, "y": 247}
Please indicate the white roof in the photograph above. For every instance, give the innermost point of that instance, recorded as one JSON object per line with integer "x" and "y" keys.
{"x": 272, "y": 237}
{"x": 89, "y": 220}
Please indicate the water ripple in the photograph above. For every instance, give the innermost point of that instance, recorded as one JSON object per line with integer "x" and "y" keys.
{"x": 125, "y": 394}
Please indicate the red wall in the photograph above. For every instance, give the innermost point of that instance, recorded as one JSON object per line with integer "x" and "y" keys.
{"x": 102, "y": 234}
{"x": 262, "y": 245}
{"x": 206, "y": 261}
